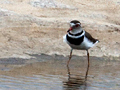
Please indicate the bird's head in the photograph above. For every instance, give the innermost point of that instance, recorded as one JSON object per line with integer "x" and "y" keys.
{"x": 75, "y": 25}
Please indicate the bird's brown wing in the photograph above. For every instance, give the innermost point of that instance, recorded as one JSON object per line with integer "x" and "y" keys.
{"x": 90, "y": 37}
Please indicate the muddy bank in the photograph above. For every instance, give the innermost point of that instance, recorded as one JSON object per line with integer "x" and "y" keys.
{"x": 49, "y": 64}
{"x": 56, "y": 58}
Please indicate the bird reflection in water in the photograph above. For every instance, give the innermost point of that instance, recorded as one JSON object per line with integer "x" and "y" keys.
{"x": 75, "y": 82}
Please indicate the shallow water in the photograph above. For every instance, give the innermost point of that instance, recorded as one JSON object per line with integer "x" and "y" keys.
{"x": 51, "y": 73}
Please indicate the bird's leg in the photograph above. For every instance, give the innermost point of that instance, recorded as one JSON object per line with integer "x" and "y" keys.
{"x": 88, "y": 58}
{"x": 69, "y": 57}
{"x": 87, "y": 65}
{"x": 68, "y": 69}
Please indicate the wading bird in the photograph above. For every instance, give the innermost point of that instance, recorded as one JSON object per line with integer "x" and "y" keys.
{"x": 79, "y": 39}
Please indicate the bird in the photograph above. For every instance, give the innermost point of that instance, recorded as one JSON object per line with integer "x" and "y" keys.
{"x": 78, "y": 39}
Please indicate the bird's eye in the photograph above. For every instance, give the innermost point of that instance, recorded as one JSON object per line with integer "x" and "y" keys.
{"x": 77, "y": 25}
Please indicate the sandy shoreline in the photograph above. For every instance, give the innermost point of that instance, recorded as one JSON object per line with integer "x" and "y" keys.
{"x": 39, "y": 29}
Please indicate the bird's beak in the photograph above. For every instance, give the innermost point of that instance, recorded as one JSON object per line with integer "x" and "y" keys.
{"x": 70, "y": 29}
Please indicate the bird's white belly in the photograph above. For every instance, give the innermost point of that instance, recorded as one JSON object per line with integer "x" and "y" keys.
{"x": 82, "y": 46}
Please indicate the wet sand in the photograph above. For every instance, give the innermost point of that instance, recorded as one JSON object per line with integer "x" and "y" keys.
{"x": 45, "y": 72}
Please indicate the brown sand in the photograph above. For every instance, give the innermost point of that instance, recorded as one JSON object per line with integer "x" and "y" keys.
{"x": 27, "y": 27}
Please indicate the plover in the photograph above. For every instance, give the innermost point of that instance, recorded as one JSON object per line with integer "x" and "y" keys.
{"x": 79, "y": 39}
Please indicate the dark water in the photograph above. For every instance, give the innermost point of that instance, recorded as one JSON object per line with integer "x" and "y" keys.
{"x": 51, "y": 73}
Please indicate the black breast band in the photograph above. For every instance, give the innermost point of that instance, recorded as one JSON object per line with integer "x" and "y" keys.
{"x": 75, "y": 41}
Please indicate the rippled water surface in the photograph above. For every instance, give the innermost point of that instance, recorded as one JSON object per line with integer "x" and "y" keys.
{"x": 51, "y": 73}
